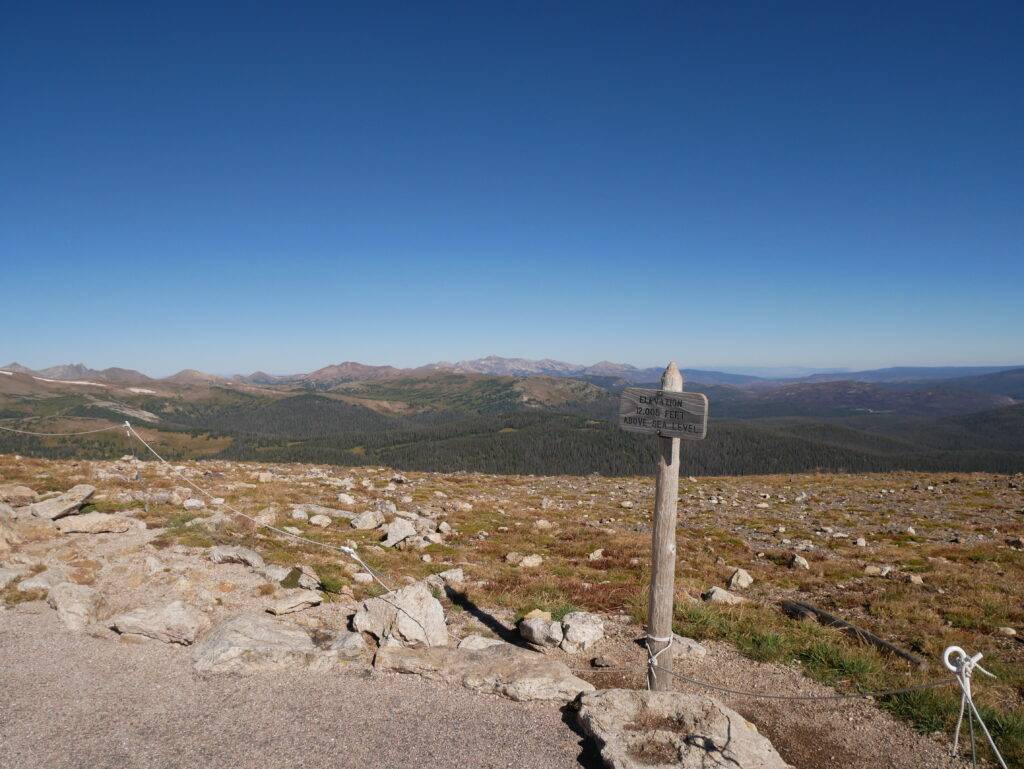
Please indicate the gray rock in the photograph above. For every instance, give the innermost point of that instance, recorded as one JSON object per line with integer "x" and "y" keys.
{"x": 503, "y": 669}
{"x": 237, "y": 554}
{"x": 541, "y": 632}
{"x": 323, "y": 521}
{"x": 95, "y": 523}
{"x": 407, "y": 617}
{"x": 530, "y": 562}
{"x": 259, "y": 643}
{"x": 76, "y": 605}
{"x": 16, "y": 495}
{"x": 721, "y": 596}
{"x": 687, "y": 648}
{"x": 690, "y": 731}
{"x": 65, "y": 504}
{"x": 348, "y": 645}
{"x": 740, "y": 579}
{"x": 448, "y": 578}
{"x": 799, "y": 562}
{"x": 176, "y": 623}
{"x": 398, "y": 530}
{"x": 294, "y": 600}
{"x": 275, "y": 573}
{"x": 370, "y": 519}
{"x": 581, "y": 630}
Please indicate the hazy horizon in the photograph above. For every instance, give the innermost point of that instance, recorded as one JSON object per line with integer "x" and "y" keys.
{"x": 768, "y": 372}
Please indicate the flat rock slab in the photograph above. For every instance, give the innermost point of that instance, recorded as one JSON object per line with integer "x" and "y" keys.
{"x": 237, "y": 554}
{"x": 503, "y": 669}
{"x": 259, "y": 643}
{"x": 176, "y": 623}
{"x": 65, "y": 504}
{"x": 95, "y": 523}
{"x": 644, "y": 729}
{"x": 294, "y": 600}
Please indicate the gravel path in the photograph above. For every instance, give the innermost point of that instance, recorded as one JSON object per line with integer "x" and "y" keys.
{"x": 70, "y": 700}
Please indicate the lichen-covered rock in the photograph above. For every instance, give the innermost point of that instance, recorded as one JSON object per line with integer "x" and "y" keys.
{"x": 581, "y": 630}
{"x": 639, "y": 729}
{"x": 407, "y": 617}
{"x": 503, "y": 669}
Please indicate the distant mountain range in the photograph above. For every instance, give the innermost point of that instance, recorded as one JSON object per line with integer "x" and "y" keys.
{"x": 604, "y": 373}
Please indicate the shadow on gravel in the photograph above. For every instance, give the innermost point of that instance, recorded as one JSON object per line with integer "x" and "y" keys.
{"x": 590, "y": 754}
{"x": 508, "y": 635}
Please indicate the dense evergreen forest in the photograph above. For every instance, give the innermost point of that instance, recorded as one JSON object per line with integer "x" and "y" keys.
{"x": 575, "y": 438}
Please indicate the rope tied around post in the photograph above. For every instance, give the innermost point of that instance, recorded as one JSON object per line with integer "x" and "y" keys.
{"x": 652, "y": 656}
{"x": 963, "y": 665}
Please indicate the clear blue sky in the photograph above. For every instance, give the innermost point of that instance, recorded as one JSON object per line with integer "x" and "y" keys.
{"x": 725, "y": 184}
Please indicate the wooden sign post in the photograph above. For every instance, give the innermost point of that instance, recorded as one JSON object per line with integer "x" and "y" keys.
{"x": 671, "y": 414}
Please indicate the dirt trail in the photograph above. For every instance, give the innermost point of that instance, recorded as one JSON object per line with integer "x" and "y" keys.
{"x": 73, "y": 701}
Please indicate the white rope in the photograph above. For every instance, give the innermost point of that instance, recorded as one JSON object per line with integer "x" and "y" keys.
{"x": 962, "y": 665}
{"x": 652, "y": 657}
{"x": 340, "y": 548}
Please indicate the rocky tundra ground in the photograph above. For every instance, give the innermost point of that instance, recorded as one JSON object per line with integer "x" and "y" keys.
{"x": 532, "y": 590}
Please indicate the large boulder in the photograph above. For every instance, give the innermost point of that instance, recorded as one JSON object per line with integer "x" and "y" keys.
{"x": 639, "y": 729}
{"x": 259, "y": 643}
{"x": 65, "y": 504}
{"x": 398, "y": 530}
{"x": 176, "y": 623}
{"x": 502, "y": 669}
{"x": 581, "y": 630}
{"x": 95, "y": 523}
{"x": 407, "y": 617}
{"x": 76, "y": 605}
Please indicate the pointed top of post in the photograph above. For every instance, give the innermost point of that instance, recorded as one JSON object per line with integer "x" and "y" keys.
{"x": 672, "y": 379}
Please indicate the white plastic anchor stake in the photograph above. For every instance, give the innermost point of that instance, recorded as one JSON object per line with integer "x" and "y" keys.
{"x": 962, "y": 667}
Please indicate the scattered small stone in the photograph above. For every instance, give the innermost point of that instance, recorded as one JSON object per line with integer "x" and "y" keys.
{"x": 740, "y": 579}
{"x": 799, "y": 562}
{"x": 530, "y": 562}
{"x": 722, "y": 596}
{"x": 597, "y": 555}
{"x": 601, "y": 661}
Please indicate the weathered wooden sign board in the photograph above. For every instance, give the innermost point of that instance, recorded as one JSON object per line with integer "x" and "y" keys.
{"x": 665, "y": 413}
